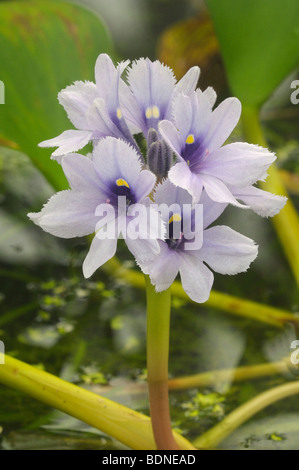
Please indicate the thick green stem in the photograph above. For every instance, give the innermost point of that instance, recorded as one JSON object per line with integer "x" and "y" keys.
{"x": 218, "y": 433}
{"x": 286, "y": 222}
{"x": 158, "y": 322}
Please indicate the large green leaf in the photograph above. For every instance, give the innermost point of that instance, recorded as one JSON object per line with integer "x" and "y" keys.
{"x": 259, "y": 40}
{"x": 44, "y": 46}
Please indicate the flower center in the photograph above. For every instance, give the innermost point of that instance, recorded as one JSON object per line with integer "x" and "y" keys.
{"x": 190, "y": 139}
{"x": 193, "y": 152}
{"x": 122, "y": 182}
{"x": 152, "y": 112}
{"x": 121, "y": 188}
{"x": 119, "y": 113}
{"x": 175, "y": 234}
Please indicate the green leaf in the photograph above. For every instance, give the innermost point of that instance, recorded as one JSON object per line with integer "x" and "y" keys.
{"x": 259, "y": 40}
{"x": 44, "y": 46}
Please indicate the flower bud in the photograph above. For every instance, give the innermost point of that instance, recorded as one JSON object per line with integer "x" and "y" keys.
{"x": 152, "y": 137}
{"x": 159, "y": 158}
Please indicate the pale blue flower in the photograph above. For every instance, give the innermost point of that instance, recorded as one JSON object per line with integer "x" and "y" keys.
{"x": 176, "y": 121}
{"x": 109, "y": 107}
{"x": 227, "y": 173}
{"x": 114, "y": 170}
{"x": 154, "y": 87}
{"x": 95, "y": 109}
{"x": 223, "y": 250}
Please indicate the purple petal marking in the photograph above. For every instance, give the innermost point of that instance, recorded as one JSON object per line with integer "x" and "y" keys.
{"x": 152, "y": 85}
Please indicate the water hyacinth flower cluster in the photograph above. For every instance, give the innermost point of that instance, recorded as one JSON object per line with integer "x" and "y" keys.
{"x": 185, "y": 164}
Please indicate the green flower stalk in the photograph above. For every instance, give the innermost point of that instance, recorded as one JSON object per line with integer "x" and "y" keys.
{"x": 158, "y": 322}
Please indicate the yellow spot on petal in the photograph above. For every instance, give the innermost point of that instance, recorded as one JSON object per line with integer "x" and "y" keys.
{"x": 156, "y": 112}
{"x": 175, "y": 218}
{"x": 119, "y": 114}
{"x": 188, "y": 162}
{"x": 190, "y": 139}
{"x": 149, "y": 113}
{"x": 122, "y": 182}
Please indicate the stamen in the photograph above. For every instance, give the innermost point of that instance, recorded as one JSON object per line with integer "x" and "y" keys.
{"x": 122, "y": 182}
{"x": 119, "y": 114}
{"x": 152, "y": 112}
{"x": 156, "y": 112}
{"x": 149, "y": 112}
{"x": 190, "y": 139}
{"x": 175, "y": 218}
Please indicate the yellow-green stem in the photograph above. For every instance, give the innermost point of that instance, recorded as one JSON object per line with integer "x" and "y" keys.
{"x": 158, "y": 323}
{"x": 227, "y": 303}
{"x": 129, "y": 427}
{"x": 218, "y": 433}
{"x": 286, "y": 222}
{"x": 215, "y": 377}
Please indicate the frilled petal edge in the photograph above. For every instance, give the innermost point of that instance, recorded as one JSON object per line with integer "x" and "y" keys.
{"x": 227, "y": 251}
{"x": 238, "y": 163}
{"x": 67, "y": 142}
{"x": 262, "y": 202}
